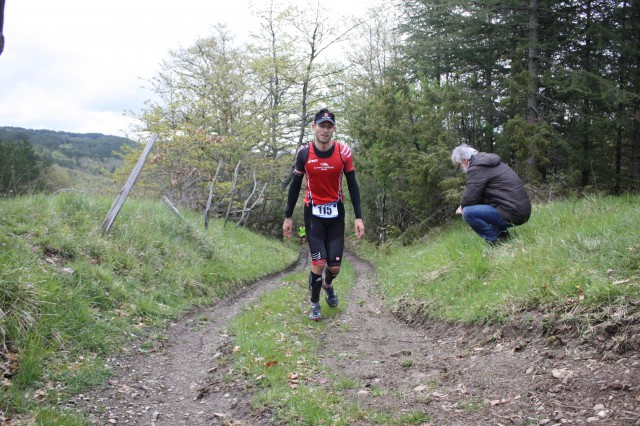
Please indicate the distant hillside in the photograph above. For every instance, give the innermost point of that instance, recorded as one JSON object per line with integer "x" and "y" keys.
{"x": 71, "y": 145}
{"x": 80, "y": 160}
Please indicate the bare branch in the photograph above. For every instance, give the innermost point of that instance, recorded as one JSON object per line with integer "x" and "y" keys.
{"x": 254, "y": 203}
{"x": 206, "y": 210}
{"x": 244, "y": 208}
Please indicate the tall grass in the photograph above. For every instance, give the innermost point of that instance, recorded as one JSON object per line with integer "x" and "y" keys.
{"x": 70, "y": 295}
{"x": 573, "y": 254}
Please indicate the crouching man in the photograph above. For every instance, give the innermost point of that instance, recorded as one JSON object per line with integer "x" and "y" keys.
{"x": 494, "y": 197}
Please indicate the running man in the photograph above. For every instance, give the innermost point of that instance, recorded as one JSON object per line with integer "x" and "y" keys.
{"x": 323, "y": 162}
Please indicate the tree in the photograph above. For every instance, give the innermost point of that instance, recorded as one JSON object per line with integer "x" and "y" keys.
{"x": 469, "y": 44}
{"x": 21, "y": 168}
{"x": 548, "y": 84}
{"x": 371, "y": 54}
{"x": 398, "y": 125}
{"x": 592, "y": 83}
{"x": 275, "y": 74}
{"x": 201, "y": 117}
{"x": 294, "y": 76}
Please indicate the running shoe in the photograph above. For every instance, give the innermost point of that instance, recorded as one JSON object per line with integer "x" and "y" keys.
{"x": 315, "y": 312}
{"x": 332, "y": 298}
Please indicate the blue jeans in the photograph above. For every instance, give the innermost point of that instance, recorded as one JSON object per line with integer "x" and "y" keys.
{"x": 485, "y": 220}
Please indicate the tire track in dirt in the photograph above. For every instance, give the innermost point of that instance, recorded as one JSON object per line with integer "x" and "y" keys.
{"x": 170, "y": 385}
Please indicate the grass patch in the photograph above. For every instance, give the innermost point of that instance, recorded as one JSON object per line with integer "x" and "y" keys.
{"x": 70, "y": 295}
{"x": 575, "y": 254}
{"x": 276, "y": 349}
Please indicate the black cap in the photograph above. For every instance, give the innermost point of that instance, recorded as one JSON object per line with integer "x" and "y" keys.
{"x": 324, "y": 115}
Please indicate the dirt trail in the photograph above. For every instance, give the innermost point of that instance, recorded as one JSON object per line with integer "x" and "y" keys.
{"x": 170, "y": 384}
{"x": 456, "y": 375}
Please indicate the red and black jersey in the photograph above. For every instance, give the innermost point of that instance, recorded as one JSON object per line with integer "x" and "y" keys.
{"x": 323, "y": 171}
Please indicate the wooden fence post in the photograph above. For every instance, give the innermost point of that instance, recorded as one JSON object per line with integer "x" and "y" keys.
{"x": 124, "y": 192}
{"x": 213, "y": 182}
{"x": 233, "y": 193}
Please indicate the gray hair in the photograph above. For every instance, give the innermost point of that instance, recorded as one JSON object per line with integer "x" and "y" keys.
{"x": 462, "y": 152}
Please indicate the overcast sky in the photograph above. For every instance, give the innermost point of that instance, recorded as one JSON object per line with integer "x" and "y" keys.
{"x": 77, "y": 65}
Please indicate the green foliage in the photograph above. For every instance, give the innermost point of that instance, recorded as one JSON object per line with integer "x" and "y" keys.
{"x": 209, "y": 124}
{"x": 403, "y": 158}
{"x": 59, "y": 160}
{"x": 558, "y": 101}
{"x": 21, "y": 168}
{"x": 70, "y": 145}
{"x": 574, "y": 255}
{"x": 557, "y": 104}
{"x": 244, "y": 107}
{"x": 521, "y": 141}
{"x": 68, "y": 292}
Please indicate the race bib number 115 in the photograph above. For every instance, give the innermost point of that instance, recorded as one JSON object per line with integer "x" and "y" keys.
{"x": 326, "y": 211}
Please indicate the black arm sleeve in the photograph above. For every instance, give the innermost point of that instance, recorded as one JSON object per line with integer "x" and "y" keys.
{"x": 354, "y": 192}
{"x": 294, "y": 192}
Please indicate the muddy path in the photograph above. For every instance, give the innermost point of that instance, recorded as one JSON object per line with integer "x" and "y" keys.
{"x": 455, "y": 375}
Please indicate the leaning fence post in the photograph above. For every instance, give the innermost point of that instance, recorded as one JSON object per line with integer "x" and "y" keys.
{"x": 124, "y": 192}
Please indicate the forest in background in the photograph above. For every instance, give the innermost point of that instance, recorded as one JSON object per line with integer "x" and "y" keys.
{"x": 46, "y": 160}
{"x": 553, "y": 87}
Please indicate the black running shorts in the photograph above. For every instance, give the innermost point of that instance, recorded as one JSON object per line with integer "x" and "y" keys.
{"x": 325, "y": 237}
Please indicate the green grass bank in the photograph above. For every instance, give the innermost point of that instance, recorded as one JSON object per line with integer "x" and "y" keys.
{"x": 575, "y": 260}
{"x": 71, "y": 295}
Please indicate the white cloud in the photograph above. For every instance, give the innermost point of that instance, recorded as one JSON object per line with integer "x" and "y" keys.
{"x": 76, "y": 65}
